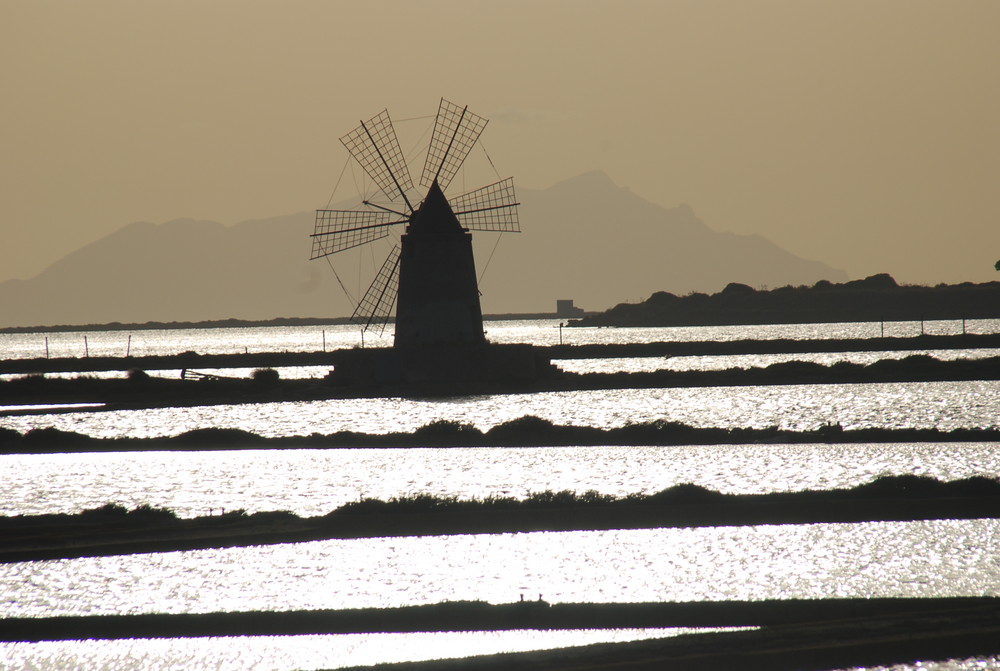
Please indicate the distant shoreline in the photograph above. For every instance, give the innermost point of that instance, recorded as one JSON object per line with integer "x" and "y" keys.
{"x": 874, "y": 299}
{"x": 236, "y": 323}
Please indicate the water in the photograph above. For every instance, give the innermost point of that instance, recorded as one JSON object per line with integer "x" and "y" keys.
{"x": 942, "y": 405}
{"x": 876, "y": 559}
{"x": 916, "y": 559}
{"x": 314, "y": 482}
{"x": 884, "y": 559}
{"x": 619, "y": 365}
{"x": 329, "y": 652}
{"x": 298, "y": 652}
{"x": 148, "y": 342}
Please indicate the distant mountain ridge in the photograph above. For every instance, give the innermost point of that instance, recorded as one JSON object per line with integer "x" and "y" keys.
{"x": 585, "y": 238}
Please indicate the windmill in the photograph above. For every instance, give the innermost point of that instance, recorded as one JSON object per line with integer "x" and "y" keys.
{"x": 430, "y": 276}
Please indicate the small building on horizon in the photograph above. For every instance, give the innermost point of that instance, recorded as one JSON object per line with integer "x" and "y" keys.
{"x": 565, "y": 308}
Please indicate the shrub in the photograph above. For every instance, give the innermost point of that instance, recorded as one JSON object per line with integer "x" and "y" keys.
{"x": 265, "y": 376}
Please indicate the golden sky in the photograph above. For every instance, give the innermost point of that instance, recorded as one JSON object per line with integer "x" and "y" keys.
{"x": 861, "y": 133}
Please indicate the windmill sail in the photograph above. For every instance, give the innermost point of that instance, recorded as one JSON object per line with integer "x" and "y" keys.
{"x": 434, "y": 264}
{"x": 337, "y": 230}
{"x": 491, "y": 208}
{"x": 375, "y": 307}
{"x": 456, "y": 130}
{"x": 375, "y": 147}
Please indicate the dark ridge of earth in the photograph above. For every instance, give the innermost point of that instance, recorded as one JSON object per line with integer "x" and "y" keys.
{"x": 527, "y": 431}
{"x": 805, "y": 635}
{"x": 142, "y": 391}
{"x": 568, "y": 351}
{"x": 114, "y": 530}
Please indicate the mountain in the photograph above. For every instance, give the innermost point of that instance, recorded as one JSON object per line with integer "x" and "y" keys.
{"x": 600, "y": 244}
{"x": 585, "y": 239}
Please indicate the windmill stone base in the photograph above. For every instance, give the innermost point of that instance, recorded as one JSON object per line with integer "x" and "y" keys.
{"x": 439, "y": 365}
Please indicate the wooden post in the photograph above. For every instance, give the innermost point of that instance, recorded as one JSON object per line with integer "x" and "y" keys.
{"x": 128, "y": 346}
{"x": 86, "y": 347}
{"x": 46, "y": 347}
{"x": 324, "y": 340}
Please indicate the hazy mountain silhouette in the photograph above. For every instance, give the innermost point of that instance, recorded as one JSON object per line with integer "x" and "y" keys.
{"x": 585, "y": 239}
{"x": 600, "y": 244}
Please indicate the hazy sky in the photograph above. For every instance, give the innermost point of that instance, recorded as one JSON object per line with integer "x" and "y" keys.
{"x": 862, "y": 133}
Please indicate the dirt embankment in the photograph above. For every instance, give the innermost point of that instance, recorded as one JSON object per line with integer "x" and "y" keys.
{"x": 527, "y": 431}
{"x": 794, "y": 634}
{"x": 115, "y": 530}
{"x": 140, "y": 390}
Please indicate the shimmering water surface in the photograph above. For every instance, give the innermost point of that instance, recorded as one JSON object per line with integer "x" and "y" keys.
{"x": 944, "y": 405}
{"x": 901, "y": 559}
{"x": 330, "y": 652}
{"x": 297, "y": 652}
{"x": 619, "y": 365}
{"x": 876, "y": 559}
{"x": 314, "y": 482}
{"x": 539, "y": 332}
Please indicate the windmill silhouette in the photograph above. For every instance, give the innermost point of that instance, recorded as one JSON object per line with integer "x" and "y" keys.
{"x": 430, "y": 277}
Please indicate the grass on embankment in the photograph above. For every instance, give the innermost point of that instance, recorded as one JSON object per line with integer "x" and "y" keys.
{"x": 140, "y": 390}
{"x": 114, "y": 530}
{"x": 527, "y": 431}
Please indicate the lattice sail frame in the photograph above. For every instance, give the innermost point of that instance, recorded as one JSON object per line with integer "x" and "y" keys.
{"x": 337, "y": 230}
{"x": 375, "y": 147}
{"x": 456, "y": 130}
{"x": 491, "y": 208}
{"x": 375, "y": 307}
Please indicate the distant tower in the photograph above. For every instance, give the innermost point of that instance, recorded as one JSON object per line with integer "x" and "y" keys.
{"x": 433, "y": 272}
{"x": 565, "y": 308}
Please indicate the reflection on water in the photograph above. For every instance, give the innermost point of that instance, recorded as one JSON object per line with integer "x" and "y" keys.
{"x": 314, "y": 482}
{"x": 890, "y": 559}
{"x": 968, "y": 664}
{"x": 240, "y": 653}
{"x": 348, "y": 650}
{"x": 148, "y": 342}
{"x": 877, "y": 559}
{"x": 944, "y": 405}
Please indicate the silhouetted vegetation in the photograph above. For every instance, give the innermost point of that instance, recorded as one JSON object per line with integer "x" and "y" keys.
{"x": 140, "y": 390}
{"x": 885, "y": 487}
{"x": 137, "y": 375}
{"x": 875, "y": 298}
{"x": 265, "y": 376}
{"x": 111, "y": 529}
{"x": 527, "y": 431}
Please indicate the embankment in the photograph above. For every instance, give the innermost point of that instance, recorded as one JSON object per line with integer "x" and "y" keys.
{"x": 141, "y": 391}
{"x": 114, "y": 530}
{"x": 527, "y": 431}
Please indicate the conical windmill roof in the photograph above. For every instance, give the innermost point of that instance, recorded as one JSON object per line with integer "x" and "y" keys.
{"x": 435, "y": 215}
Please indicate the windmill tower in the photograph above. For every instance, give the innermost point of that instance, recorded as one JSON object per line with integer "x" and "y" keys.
{"x": 430, "y": 277}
